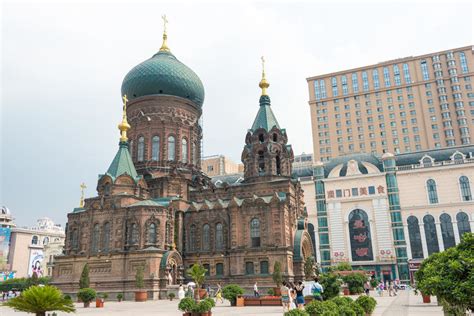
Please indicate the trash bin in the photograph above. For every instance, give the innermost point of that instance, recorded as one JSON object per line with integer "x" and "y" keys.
{"x": 240, "y": 301}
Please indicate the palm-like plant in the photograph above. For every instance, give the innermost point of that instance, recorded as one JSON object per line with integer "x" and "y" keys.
{"x": 41, "y": 299}
{"x": 198, "y": 273}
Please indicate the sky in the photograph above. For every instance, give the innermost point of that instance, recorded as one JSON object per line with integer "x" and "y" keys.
{"x": 62, "y": 65}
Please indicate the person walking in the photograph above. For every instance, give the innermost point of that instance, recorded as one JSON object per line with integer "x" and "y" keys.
{"x": 317, "y": 290}
{"x": 181, "y": 292}
{"x": 299, "y": 295}
{"x": 391, "y": 289}
{"x": 367, "y": 288}
{"x": 255, "y": 290}
{"x": 292, "y": 296}
{"x": 219, "y": 293}
{"x": 285, "y": 297}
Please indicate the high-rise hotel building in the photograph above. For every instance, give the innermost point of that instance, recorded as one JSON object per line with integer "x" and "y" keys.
{"x": 398, "y": 106}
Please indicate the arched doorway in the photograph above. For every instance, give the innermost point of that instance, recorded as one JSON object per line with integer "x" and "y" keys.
{"x": 171, "y": 268}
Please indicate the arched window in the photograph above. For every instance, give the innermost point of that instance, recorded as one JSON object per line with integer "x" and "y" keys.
{"x": 34, "y": 240}
{"x": 106, "y": 237}
{"x": 95, "y": 239}
{"x": 194, "y": 153}
{"x": 219, "y": 237}
{"x": 171, "y": 148}
{"x": 359, "y": 232}
{"x": 205, "y": 237}
{"x": 430, "y": 234}
{"x": 134, "y": 234}
{"x": 168, "y": 233}
{"x": 415, "y": 238}
{"x": 184, "y": 150}
{"x": 465, "y": 188}
{"x": 432, "y": 192}
{"x": 278, "y": 164}
{"x": 107, "y": 188}
{"x": 275, "y": 137}
{"x": 155, "y": 148}
{"x": 263, "y": 267}
{"x": 192, "y": 238}
{"x": 130, "y": 147}
{"x": 255, "y": 232}
{"x": 458, "y": 158}
{"x": 463, "y": 223}
{"x": 152, "y": 233}
{"x": 261, "y": 138}
{"x": 141, "y": 149}
{"x": 261, "y": 162}
{"x": 74, "y": 239}
{"x": 220, "y": 269}
{"x": 447, "y": 231}
{"x": 427, "y": 162}
{"x": 45, "y": 241}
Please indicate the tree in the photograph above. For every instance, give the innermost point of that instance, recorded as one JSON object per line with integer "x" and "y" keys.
{"x": 331, "y": 284}
{"x": 41, "y": 299}
{"x": 231, "y": 291}
{"x": 139, "y": 283}
{"x": 86, "y": 295}
{"x": 309, "y": 268}
{"x": 198, "y": 273}
{"x": 84, "y": 280}
{"x": 355, "y": 282}
{"x": 277, "y": 276}
{"x": 449, "y": 275}
{"x": 343, "y": 266}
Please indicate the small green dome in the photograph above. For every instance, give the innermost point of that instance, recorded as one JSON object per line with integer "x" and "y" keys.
{"x": 163, "y": 74}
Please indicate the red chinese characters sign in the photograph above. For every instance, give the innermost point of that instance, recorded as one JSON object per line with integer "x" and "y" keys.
{"x": 354, "y": 192}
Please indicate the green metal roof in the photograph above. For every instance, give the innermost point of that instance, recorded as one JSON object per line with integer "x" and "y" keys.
{"x": 265, "y": 118}
{"x": 163, "y": 201}
{"x": 163, "y": 74}
{"x": 122, "y": 163}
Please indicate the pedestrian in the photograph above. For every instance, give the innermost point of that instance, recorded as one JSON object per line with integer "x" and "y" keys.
{"x": 292, "y": 297}
{"x": 285, "y": 297}
{"x": 391, "y": 289}
{"x": 317, "y": 290}
{"x": 181, "y": 292}
{"x": 299, "y": 295}
{"x": 190, "y": 292}
{"x": 255, "y": 290}
{"x": 219, "y": 293}
{"x": 367, "y": 288}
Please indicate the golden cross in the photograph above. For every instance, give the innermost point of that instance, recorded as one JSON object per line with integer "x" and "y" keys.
{"x": 165, "y": 21}
{"x": 263, "y": 64}
{"x": 125, "y": 100}
{"x": 83, "y": 186}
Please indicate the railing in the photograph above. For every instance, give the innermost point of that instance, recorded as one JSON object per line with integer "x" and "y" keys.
{"x": 435, "y": 164}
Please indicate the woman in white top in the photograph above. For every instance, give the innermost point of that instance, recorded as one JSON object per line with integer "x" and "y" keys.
{"x": 181, "y": 293}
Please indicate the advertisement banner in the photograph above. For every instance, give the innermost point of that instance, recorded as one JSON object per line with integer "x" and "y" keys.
{"x": 36, "y": 262}
{"x": 5, "y": 233}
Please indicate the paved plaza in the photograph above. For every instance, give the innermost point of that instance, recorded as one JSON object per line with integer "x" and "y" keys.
{"x": 406, "y": 303}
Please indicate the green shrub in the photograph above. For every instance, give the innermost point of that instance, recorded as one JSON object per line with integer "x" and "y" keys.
{"x": 84, "y": 280}
{"x": 22, "y": 283}
{"x": 211, "y": 301}
{"x": 357, "y": 309}
{"x": 330, "y": 313}
{"x": 343, "y": 266}
{"x": 203, "y": 306}
{"x": 367, "y": 303}
{"x": 139, "y": 275}
{"x": 318, "y": 308}
{"x": 296, "y": 312}
{"x": 342, "y": 300}
{"x": 331, "y": 284}
{"x": 86, "y": 295}
{"x": 171, "y": 296}
{"x": 187, "y": 305}
{"x": 355, "y": 282}
{"x": 277, "y": 275}
{"x": 271, "y": 292}
{"x": 346, "y": 310}
{"x": 231, "y": 291}
{"x": 119, "y": 297}
{"x": 67, "y": 297}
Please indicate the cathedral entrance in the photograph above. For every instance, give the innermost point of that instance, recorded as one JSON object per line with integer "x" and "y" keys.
{"x": 171, "y": 269}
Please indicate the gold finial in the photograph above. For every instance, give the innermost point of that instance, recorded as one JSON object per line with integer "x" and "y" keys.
{"x": 83, "y": 187}
{"x": 124, "y": 126}
{"x": 164, "y": 46}
{"x": 263, "y": 83}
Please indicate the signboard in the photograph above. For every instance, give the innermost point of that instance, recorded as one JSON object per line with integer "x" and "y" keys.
{"x": 354, "y": 192}
{"x": 36, "y": 262}
{"x": 5, "y": 233}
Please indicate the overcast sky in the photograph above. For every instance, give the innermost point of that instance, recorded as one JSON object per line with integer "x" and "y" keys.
{"x": 63, "y": 65}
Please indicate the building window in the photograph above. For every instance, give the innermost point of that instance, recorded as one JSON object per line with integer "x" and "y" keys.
{"x": 219, "y": 269}
{"x": 415, "y": 238}
{"x": 465, "y": 188}
{"x": 205, "y": 238}
{"x": 396, "y": 74}
{"x": 355, "y": 83}
{"x": 406, "y": 74}
{"x": 194, "y": 154}
{"x": 171, "y": 148}
{"x": 322, "y": 87}
{"x": 432, "y": 191}
{"x": 74, "y": 239}
{"x": 249, "y": 268}
{"x": 255, "y": 232}
{"x": 365, "y": 81}
{"x": 95, "y": 239}
{"x": 192, "y": 238}
{"x": 345, "y": 89}
{"x": 334, "y": 86}
{"x": 263, "y": 267}
{"x": 106, "y": 237}
{"x": 219, "y": 237}
{"x": 462, "y": 58}
{"x": 424, "y": 70}
{"x": 261, "y": 162}
{"x": 134, "y": 234}
{"x": 359, "y": 232}
{"x": 184, "y": 150}
{"x": 447, "y": 231}
{"x": 207, "y": 267}
{"x": 152, "y": 233}
{"x": 386, "y": 76}
{"x": 463, "y": 223}
{"x": 430, "y": 234}
{"x": 317, "y": 94}
{"x": 45, "y": 241}
{"x": 375, "y": 78}
{"x": 155, "y": 148}
{"x": 141, "y": 149}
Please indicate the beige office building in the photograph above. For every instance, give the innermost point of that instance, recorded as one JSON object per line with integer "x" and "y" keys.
{"x": 219, "y": 165}
{"x": 399, "y": 106}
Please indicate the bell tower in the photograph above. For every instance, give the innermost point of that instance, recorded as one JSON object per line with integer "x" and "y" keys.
{"x": 266, "y": 154}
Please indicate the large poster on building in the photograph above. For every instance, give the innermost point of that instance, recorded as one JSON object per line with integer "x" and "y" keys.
{"x": 36, "y": 262}
{"x": 5, "y": 233}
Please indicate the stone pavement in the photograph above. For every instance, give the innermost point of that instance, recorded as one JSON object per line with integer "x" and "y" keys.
{"x": 406, "y": 303}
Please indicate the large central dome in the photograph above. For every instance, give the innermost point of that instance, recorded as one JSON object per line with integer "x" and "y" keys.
{"x": 163, "y": 74}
